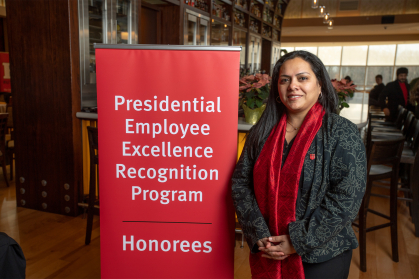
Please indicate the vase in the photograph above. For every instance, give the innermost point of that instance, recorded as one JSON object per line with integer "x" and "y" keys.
{"x": 253, "y": 115}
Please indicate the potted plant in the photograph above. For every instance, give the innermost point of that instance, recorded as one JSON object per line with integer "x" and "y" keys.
{"x": 253, "y": 91}
{"x": 344, "y": 89}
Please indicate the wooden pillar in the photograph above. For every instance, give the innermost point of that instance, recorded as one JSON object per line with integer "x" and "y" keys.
{"x": 44, "y": 63}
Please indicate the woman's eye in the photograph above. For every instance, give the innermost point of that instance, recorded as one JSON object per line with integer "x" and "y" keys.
{"x": 303, "y": 78}
{"x": 284, "y": 80}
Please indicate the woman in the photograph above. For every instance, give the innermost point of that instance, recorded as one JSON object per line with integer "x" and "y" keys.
{"x": 414, "y": 99}
{"x": 301, "y": 177}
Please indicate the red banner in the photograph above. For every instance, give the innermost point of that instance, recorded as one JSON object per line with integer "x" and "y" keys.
{"x": 5, "y": 73}
{"x": 167, "y": 145}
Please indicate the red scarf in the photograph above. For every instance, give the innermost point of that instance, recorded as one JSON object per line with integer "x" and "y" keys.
{"x": 276, "y": 190}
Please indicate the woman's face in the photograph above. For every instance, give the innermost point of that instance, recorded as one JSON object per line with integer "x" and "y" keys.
{"x": 298, "y": 87}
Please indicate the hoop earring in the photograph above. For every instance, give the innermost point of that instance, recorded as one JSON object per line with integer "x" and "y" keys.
{"x": 321, "y": 95}
{"x": 277, "y": 100}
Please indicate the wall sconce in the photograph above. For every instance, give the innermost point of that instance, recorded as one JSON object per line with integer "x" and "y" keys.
{"x": 322, "y": 11}
{"x": 326, "y": 18}
{"x": 225, "y": 25}
{"x": 330, "y": 24}
{"x": 314, "y": 4}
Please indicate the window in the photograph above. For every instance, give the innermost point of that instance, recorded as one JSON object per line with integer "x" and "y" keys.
{"x": 363, "y": 62}
{"x": 386, "y": 72}
{"x": 330, "y": 55}
{"x": 334, "y": 72}
{"x": 309, "y": 49}
{"x": 381, "y": 55}
{"x": 407, "y": 54}
{"x": 354, "y": 55}
{"x": 357, "y": 75}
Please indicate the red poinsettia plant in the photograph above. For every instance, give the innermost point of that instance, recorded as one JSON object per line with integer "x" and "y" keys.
{"x": 344, "y": 89}
{"x": 254, "y": 89}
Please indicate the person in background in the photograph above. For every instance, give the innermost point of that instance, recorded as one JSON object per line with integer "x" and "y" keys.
{"x": 376, "y": 91}
{"x": 394, "y": 94}
{"x": 348, "y": 80}
{"x": 414, "y": 98}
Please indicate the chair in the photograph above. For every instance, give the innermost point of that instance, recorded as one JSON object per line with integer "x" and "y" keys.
{"x": 383, "y": 163}
{"x": 409, "y": 181}
{"x": 94, "y": 161}
{"x": 401, "y": 116}
{"x": 414, "y": 186}
{"x": 3, "y": 124}
{"x": 407, "y": 171}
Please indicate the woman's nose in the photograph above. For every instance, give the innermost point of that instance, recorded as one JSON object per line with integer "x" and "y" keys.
{"x": 293, "y": 85}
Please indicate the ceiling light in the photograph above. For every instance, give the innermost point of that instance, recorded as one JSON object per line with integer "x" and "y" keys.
{"x": 314, "y": 4}
{"x": 326, "y": 18}
{"x": 330, "y": 24}
{"x": 322, "y": 11}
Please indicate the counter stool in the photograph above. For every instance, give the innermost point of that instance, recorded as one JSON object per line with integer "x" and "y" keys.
{"x": 383, "y": 163}
{"x": 94, "y": 161}
{"x": 410, "y": 179}
{"x": 409, "y": 167}
{"x": 3, "y": 127}
{"x": 239, "y": 229}
{"x": 10, "y": 151}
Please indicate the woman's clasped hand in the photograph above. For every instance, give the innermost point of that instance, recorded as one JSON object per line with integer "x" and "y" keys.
{"x": 276, "y": 247}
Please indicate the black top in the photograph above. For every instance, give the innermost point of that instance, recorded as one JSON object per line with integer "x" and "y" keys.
{"x": 287, "y": 149}
{"x": 394, "y": 94}
{"x": 330, "y": 193}
{"x": 376, "y": 91}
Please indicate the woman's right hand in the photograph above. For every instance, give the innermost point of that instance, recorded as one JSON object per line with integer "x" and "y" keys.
{"x": 264, "y": 243}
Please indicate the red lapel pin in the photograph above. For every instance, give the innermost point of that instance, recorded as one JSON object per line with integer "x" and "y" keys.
{"x": 312, "y": 156}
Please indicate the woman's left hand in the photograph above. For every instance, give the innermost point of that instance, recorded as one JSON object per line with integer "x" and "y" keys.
{"x": 278, "y": 247}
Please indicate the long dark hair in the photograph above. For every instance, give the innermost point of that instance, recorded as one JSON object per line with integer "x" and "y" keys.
{"x": 274, "y": 110}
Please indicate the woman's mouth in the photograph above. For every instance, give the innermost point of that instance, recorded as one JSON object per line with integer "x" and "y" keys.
{"x": 294, "y": 97}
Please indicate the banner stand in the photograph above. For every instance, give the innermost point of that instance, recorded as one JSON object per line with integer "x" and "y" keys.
{"x": 167, "y": 121}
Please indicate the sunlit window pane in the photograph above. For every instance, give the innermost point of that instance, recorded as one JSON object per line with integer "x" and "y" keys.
{"x": 309, "y": 49}
{"x": 381, "y": 55}
{"x": 288, "y": 49}
{"x": 333, "y": 72}
{"x": 354, "y": 55}
{"x": 407, "y": 54}
{"x": 357, "y": 75}
{"x": 386, "y": 72}
{"x": 330, "y": 55}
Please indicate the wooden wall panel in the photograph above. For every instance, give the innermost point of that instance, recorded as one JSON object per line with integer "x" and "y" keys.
{"x": 44, "y": 53}
{"x": 149, "y": 26}
{"x": 267, "y": 56}
{"x": 170, "y": 26}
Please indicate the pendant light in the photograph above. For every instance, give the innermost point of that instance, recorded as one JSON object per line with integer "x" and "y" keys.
{"x": 326, "y": 18}
{"x": 314, "y": 4}
{"x": 330, "y": 24}
{"x": 322, "y": 11}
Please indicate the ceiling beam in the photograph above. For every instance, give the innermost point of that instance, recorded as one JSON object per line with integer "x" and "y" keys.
{"x": 354, "y": 20}
{"x": 355, "y": 38}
